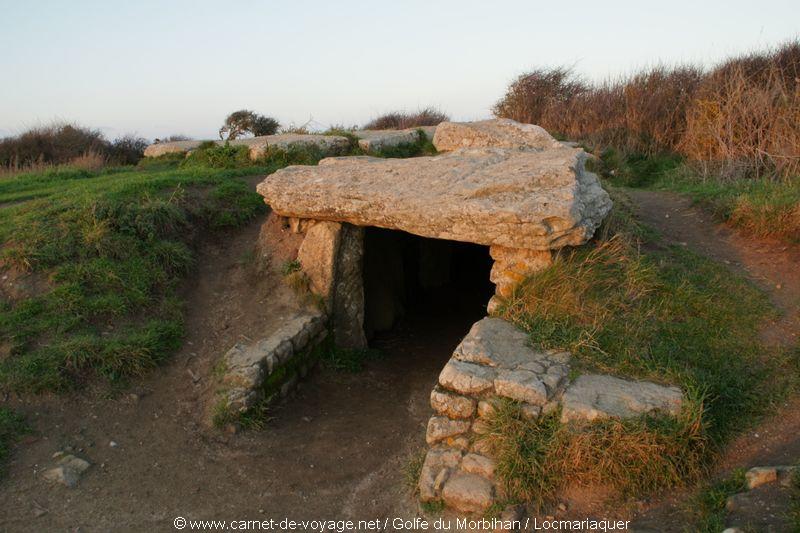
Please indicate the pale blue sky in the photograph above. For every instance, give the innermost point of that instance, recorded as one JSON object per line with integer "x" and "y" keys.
{"x": 162, "y": 67}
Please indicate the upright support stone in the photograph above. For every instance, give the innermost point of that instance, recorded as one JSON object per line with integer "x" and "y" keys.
{"x": 348, "y": 300}
{"x": 317, "y": 256}
{"x": 511, "y": 266}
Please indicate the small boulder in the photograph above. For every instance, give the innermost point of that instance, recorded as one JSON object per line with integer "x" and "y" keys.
{"x": 68, "y": 471}
{"x": 452, "y": 405}
{"x": 466, "y": 378}
{"x": 468, "y": 493}
{"x": 441, "y": 428}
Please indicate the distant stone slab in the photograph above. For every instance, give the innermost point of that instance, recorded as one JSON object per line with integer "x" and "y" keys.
{"x": 329, "y": 144}
{"x": 373, "y": 140}
{"x": 492, "y": 196}
{"x": 174, "y": 147}
{"x": 499, "y": 133}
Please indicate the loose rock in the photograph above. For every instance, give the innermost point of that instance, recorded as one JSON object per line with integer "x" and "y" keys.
{"x": 468, "y": 493}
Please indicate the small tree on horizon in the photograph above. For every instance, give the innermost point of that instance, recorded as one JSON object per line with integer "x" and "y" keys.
{"x": 245, "y": 121}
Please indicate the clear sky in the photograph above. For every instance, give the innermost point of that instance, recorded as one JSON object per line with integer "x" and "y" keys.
{"x": 173, "y": 66}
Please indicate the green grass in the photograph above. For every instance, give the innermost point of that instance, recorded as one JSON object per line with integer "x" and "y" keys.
{"x": 105, "y": 253}
{"x": 707, "y": 507}
{"x": 12, "y": 426}
{"x": 665, "y": 315}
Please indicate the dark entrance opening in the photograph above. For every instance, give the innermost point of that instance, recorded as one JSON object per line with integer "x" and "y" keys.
{"x": 412, "y": 282}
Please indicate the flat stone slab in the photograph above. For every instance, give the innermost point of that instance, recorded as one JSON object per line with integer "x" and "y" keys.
{"x": 329, "y": 144}
{"x": 500, "y": 133}
{"x": 492, "y": 196}
{"x": 593, "y": 397}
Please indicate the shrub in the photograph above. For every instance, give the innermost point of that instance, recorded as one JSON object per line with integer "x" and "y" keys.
{"x": 55, "y": 144}
{"x": 68, "y": 144}
{"x": 400, "y": 120}
{"x": 127, "y": 150}
{"x": 245, "y": 121}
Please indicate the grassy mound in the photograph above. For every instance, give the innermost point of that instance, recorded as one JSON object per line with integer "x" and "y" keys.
{"x": 665, "y": 315}
{"x": 92, "y": 262}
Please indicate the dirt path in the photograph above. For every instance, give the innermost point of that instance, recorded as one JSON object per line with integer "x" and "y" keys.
{"x": 337, "y": 449}
{"x": 772, "y": 266}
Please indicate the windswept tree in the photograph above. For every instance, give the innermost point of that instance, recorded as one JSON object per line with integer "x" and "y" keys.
{"x": 245, "y": 122}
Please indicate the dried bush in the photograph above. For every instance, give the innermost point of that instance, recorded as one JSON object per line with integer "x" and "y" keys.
{"x": 738, "y": 119}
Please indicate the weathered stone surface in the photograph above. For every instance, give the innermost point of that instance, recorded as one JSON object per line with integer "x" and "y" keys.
{"x": 513, "y": 265}
{"x": 491, "y": 196}
{"x": 317, "y": 256}
{"x": 436, "y": 460}
{"x": 452, "y": 405}
{"x": 522, "y": 385}
{"x": 68, "y": 471}
{"x": 481, "y": 465}
{"x": 328, "y": 144}
{"x": 466, "y": 378}
{"x": 441, "y": 428}
{"x": 468, "y": 493}
{"x": 593, "y": 397}
{"x": 348, "y": 305}
{"x": 371, "y": 140}
{"x": 500, "y": 133}
{"x": 497, "y": 343}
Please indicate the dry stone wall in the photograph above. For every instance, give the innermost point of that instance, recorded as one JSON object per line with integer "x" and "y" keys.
{"x": 269, "y": 368}
{"x": 492, "y": 363}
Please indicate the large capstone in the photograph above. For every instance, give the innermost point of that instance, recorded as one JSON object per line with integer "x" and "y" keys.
{"x": 517, "y": 198}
